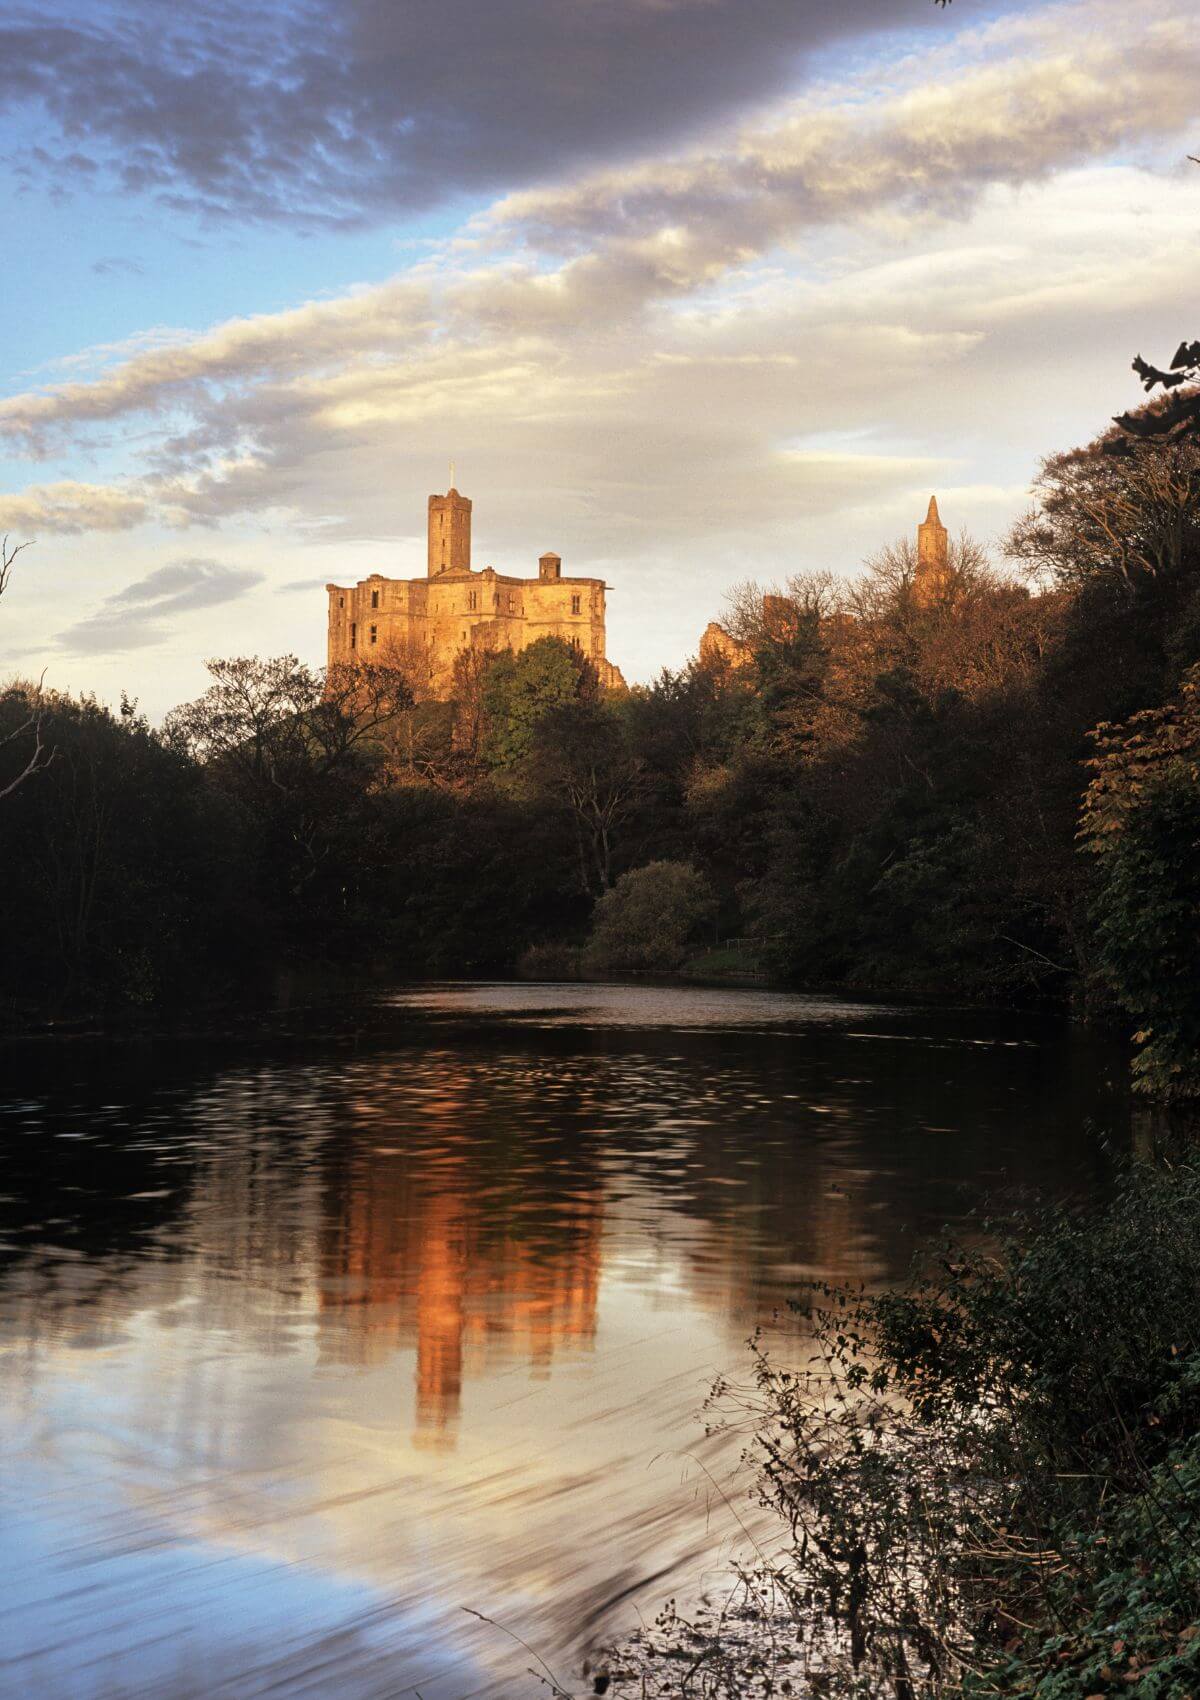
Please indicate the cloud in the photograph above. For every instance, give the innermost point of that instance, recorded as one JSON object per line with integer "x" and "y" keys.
{"x": 111, "y": 264}
{"x": 339, "y": 112}
{"x": 1081, "y": 82}
{"x": 295, "y": 586}
{"x": 69, "y": 507}
{"x": 144, "y": 611}
{"x": 302, "y": 339}
{"x": 519, "y": 306}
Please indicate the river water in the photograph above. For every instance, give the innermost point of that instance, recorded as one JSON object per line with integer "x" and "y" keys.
{"x": 313, "y": 1345}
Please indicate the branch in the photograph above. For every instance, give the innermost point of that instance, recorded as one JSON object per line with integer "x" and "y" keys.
{"x": 42, "y": 754}
{"x": 8, "y": 554}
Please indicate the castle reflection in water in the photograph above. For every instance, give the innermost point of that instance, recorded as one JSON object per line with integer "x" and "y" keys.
{"x": 464, "y": 1208}
{"x": 419, "y": 1258}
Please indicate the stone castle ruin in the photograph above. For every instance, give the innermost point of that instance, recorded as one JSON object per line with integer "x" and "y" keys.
{"x": 423, "y": 625}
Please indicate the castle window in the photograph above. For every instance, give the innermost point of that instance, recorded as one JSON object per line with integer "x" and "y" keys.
{"x": 576, "y": 605}
{"x": 353, "y": 634}
{"x": 374, "y": 599}
{"x": 496, "y": 601}
{"x": 575, "y": 644}
{"x": 341, "y": 601}
{"x": 374, "y": 633}
{"x": 512, "y": 604}
{"x": 473, "y": 600}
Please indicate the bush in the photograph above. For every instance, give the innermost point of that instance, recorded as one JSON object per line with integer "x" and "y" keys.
{"x": 989, "y": 1482}
{"x": 650, "y": 917}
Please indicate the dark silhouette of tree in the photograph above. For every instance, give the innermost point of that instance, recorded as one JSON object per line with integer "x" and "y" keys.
{"x": 580, "y": 760}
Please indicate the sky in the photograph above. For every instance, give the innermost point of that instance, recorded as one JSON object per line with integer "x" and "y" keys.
{"x": 690, "y": 291}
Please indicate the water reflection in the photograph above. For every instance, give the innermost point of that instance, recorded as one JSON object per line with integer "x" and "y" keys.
{"x": 439, "y": 1251}
{"x": 305, "y": 1350}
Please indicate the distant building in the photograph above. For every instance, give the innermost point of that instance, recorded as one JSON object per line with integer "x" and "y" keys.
{"x": 932, "y": 579}
{"x": 424, "y": 624}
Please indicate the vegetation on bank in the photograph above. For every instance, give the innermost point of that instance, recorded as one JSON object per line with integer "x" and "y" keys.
{"x": 987, "y": 1484}
{"x": 886, "y": 794}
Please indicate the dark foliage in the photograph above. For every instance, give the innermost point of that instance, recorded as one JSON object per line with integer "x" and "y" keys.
{"x": 990, "y": 1479}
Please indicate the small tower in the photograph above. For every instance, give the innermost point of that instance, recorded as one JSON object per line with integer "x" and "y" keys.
{"x": 449, "y": 534}
{"x": 933, "y": 557}
{"x": 549, "y": 566}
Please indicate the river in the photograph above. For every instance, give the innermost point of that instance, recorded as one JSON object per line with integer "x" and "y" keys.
{"x": 313, "y": 1344}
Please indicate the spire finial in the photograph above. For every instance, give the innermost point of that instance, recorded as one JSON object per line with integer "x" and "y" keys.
{"x": 933, "y": 517}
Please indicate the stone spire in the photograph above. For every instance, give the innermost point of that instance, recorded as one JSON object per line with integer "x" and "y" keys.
{"x": 933, "y": 557}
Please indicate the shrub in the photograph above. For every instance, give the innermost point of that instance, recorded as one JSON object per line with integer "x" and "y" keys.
{"x": 989, "y": 1481}
{"x": 650, "y": 917}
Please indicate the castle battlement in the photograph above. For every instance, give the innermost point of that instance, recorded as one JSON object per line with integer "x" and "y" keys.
{"x": 424, "y": 624}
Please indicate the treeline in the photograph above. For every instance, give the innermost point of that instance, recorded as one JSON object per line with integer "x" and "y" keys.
{"x": 882, "y": 788}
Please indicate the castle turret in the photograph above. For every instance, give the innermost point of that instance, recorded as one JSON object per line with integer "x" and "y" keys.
{"x": 933, "y": 556}
{"x": 549, "y": 566}
{"x": 449, "y": 534}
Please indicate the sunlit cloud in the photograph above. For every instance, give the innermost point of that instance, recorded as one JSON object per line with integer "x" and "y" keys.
{"x": 68, "y": 507}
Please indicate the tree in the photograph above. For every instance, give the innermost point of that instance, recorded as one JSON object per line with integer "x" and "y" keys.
{"x": 124, "y": 874}
{"x": 295, "y": 746}
{"x": 518, "y": 690}
{"x": 1131, "y": 520}
{"x": 1173, "y": 419}
{"x": 24, "y": 750}
{"x": 580, "y": 759}
{"x": 650, "y": 917}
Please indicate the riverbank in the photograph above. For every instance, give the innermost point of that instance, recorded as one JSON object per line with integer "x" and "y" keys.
{"x": 989, "y": 1486}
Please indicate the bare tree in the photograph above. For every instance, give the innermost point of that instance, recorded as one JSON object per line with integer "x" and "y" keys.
{"x": 26, "y": 738}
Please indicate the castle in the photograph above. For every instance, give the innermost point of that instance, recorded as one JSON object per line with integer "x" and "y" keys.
{"x": 423, "y": 625}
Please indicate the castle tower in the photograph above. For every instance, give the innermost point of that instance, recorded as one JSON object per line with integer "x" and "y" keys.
{"x": 933, "y": 557}
{"x": 449, "y": 534}
{"x": 549, "y": 567}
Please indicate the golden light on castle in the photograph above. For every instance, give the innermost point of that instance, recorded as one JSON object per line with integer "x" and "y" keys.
{"x": 425, "y": 624}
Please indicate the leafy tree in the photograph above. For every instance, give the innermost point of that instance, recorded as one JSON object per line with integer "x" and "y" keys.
{"x": 650, "y": 917}
{"x": 1131, "y": 521}
{"x": 519, "y": 689}
{"x": 1176, "y": 418}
